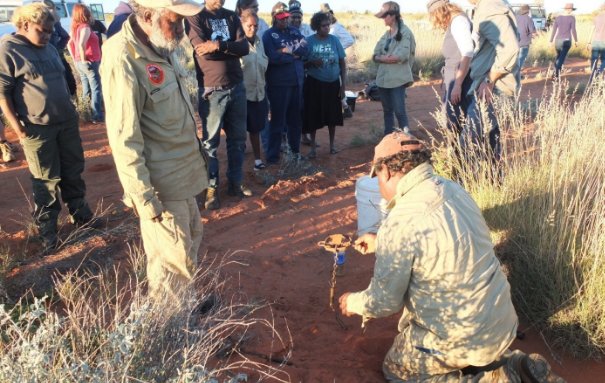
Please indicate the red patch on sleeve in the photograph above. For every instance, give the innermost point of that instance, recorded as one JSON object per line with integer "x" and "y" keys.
{"x": 155, "y": 73}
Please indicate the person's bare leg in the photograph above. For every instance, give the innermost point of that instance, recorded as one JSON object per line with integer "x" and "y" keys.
{"x": 313, "y": 152}
{"x": 255, "y": 142}
{"x": 332, "y": 133}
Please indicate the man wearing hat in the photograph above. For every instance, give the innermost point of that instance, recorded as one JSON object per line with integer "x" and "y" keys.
{"x": 563, "y": 31}
{"x": 527, "y": 30}
{"x": 219, "y": 42}
{"x": 435, "y": 260}
{"x": 152, "y": 134}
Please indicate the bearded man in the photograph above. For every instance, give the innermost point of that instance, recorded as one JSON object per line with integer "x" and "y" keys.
{"x": 152, "y": 134}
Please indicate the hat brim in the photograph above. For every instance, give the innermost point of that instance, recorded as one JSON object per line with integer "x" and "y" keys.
{"x": 189, "y": 8}
{"x": 381, "y": 14}
{"x": 282, "y": 15}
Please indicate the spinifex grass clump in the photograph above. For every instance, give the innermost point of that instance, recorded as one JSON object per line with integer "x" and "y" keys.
{"x": 547, "y": 211}
{"x": 103, "y": 331}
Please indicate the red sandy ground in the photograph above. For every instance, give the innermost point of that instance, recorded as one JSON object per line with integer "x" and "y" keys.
{"x": 276, "y": 233}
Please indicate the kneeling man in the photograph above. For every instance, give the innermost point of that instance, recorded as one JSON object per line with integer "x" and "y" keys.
{"x": 435, "y": 259}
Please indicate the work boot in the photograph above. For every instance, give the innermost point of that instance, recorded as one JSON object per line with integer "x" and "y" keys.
{"x": 83, "y": 216}
{"x": 523, "y": 368}
{"x": 7, "y": 150}
{"x": 212, "y": 201}
{"x": 47, "y": 233}
{"x": 238, "y": 190}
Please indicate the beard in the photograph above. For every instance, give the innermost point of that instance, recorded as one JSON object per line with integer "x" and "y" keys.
{"x": 163, "y": 46}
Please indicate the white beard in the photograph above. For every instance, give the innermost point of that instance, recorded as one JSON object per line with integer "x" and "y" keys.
{"x": 163, "y": 46}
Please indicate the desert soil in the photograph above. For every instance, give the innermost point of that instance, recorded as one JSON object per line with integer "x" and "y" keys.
{"x": 274, "y": 234}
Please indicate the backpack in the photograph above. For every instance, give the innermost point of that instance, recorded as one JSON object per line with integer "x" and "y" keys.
{"x": 370, "y": 92}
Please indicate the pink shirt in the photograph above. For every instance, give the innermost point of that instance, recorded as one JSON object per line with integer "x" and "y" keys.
{"x": 93, "y": 49}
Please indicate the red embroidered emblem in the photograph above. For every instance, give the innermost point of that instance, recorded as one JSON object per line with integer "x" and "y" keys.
{"x": 155, "y": 74}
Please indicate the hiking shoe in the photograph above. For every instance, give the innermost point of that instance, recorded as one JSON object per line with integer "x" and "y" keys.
{"x": 260, "y": 166}
{"x": 305, "y": 139}
{"x": 212, "y": 201}
{"x": 535, "y": 369}
{"x": 239, "y": 191}
{"x": 347, "y": 113}
{"x": 7, "y": 150}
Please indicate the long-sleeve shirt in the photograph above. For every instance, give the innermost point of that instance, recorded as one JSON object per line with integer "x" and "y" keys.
{"x": 564, "y": 28}
{"x": 497, "y": 48}
{"x": 392, "y": 75}
{"x": 599, "y": 28}
{"x": 345, "y": 38}
{"x": 151, "y": 127}
{"x": 33, "y": 78}
{"x": 254, "y": 66}
{"x": 222, "y": 68}
{"x": 59, "y": 37}
{"x": 435, "y": 259}
{"x": 526, "y": 28}
{"x": 285, "y": 69}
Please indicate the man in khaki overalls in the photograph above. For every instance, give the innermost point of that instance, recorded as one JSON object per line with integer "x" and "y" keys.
{"x": 152, "y": 135}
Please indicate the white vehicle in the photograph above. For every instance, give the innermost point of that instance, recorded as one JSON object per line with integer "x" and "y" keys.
{"x": 64, "y": 9}
{"x": 537, "y": 14}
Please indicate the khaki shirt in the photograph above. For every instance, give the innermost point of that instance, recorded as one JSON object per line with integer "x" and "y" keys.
{"x": 254, "y": 66}
{"x": 150, "y": 125}
{"x": 400, "y": 73}
{"x": 495, "y": 28}
{"x": 434, "y": 258}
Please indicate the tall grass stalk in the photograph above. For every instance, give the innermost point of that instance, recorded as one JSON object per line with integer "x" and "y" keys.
{"x": 547, "y": 213}
{"x": 104, "y": 329}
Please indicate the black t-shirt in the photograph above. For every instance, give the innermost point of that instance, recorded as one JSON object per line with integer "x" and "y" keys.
{"x": 222, "y": 68}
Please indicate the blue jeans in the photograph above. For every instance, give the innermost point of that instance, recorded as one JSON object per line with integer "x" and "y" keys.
{"x": 91, "y": 87}
{"x": 393, "y": 103}
{"x": 226, "y": 110}
{"x": 285, "y": 104}
{"x": 562, "y": 47}
{"x": 523, "y": 51}
{"x": 598, "y": 53}
{"x": 477, "y": 130}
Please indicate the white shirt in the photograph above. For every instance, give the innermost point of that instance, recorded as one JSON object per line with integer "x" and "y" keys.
{"x": 461, "y": 31}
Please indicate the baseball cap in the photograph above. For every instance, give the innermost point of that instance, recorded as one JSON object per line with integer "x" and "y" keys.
{"x": 392, "y": 144}
{"x": 280, "y": 11}
{"x": 181, "y": 7}
{"x": 388, "y": 8}
{"x": 295, "y": 10}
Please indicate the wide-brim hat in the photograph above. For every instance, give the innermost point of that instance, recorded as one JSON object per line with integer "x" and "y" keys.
{"x": 432, "y": 5}
{"x": 394, "y": 143}
{"x": 181, "y": 7}
{"x": 569, "y": 6}
{"x": 388, "y": 8}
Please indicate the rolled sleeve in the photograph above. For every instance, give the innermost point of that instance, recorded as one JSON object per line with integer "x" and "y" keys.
{"x": 385, "y": 294}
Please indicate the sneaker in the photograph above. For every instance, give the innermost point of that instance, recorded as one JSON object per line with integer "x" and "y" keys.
{"x": 212, "y": 201}
{"x": 7, "y": 150}
{"x": 260, "y": 166}
{"x": 521, "y": 367}
{"x": 347, "y": 113}
{"x": 305, "y": 139}
{"x": 239, "y": 191}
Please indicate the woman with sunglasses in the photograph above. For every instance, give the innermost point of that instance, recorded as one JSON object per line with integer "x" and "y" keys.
{"x": 394, "y": 54}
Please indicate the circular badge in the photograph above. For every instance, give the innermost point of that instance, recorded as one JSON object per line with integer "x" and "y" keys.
{"x": 155, "y": 73}
{"x": 274, "y": 35}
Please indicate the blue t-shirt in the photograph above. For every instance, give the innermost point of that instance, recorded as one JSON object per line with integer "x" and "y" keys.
{"x": 330, "y": 51}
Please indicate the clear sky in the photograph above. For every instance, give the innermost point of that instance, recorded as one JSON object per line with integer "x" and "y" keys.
{"x": 407, "y": 6}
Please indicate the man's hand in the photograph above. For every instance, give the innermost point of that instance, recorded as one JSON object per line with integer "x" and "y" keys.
{"x": 286, "y": 50}
{"x": 390, "y": 59}
{"x": 456, "y": 94}
{"x": 366, "y": 244}
{"x": 206, "y": 47}
{"x": 342, "y": 302}
{"x": 486, "y": 91}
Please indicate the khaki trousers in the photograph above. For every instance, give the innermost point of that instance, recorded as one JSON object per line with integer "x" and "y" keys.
{"x": 171, "y": 247}
{"x": 404, "y": 363}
